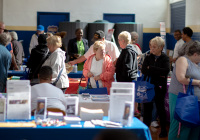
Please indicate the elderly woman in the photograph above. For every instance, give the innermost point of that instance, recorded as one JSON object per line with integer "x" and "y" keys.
{"x": 57, "y": 62}
{"x": 156, "y": 66}
{"x": 5, "y": 60}
{"x": 126, "y": 66}
{"x": 134, "y": 38}
{"x": 186, "y": 67}
{"x": 18, "y": 49}
{"x": 99, "y": 66}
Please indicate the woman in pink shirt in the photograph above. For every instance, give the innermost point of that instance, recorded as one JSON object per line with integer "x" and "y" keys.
{"x": 99, "y": 66}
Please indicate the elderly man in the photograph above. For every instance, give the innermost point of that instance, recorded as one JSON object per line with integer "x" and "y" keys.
{"x": 9, "y": 47}
{"x": 34, "y": 39}
{"x": 5, "y": 59}
{"x": 55, "y": 96}
{"x": 2, "y": 27}
{"x": 111, "y": 49}
{"x": 18, "y": 49}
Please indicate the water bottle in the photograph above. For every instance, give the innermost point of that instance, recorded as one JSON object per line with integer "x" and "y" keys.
{"x": 75, "y": 68}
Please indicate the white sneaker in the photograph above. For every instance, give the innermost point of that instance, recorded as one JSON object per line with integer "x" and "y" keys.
{"x": 154, "y": 124}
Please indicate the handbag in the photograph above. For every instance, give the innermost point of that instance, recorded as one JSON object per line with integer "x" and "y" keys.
{"x": 187, "y": 108}
{"x": 97, "y": 90}
{"x": 144, "y": 90}
{"x": 55, "y": 82}
{"x": 79, "y": 85}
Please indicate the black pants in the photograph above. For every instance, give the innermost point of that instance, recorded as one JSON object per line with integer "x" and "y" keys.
{"x": 160, "y": 106}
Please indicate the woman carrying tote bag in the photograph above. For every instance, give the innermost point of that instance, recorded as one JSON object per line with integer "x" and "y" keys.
{"x": 186, "y": 67}
{"x": 156, "y": 66}
{"x": 99, "y": 67}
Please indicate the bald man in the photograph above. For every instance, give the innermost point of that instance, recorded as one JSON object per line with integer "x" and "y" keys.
{"x": 2, "y": 27}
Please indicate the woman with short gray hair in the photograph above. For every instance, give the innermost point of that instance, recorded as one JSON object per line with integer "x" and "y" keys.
{"x": 5, "y": 39}
{"x": 156, "y": 67}
{"x": 18, "y": 49}
{"x": 134, "y": 39}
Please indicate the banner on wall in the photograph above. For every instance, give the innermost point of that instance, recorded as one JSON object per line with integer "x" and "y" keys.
{"x": 109, "y": 35}
{"x": 163, "y": 34}
{"x": 52, "y": 29}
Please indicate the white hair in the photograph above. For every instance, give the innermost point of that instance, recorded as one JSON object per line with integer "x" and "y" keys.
{"x": 5, "y": 38}
{"x": 133, "y": 35}
{"x": 126, "y": 36}
{"x": 159, "y": 41}
{"x": 14, "y": 35}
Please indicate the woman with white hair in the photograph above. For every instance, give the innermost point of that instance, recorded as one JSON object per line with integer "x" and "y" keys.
{"x": 18, "y": 49}
{"x": 126, "y": 66}
{"x": 57, "y": 62}
{"x": 156, "y": 66}
{"x": 99, "y": 67}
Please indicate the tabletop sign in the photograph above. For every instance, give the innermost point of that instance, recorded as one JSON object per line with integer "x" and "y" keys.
{"x": 128, "y": 113}
{"x": 2, "y": 109}
{"x": 41, "y": 110}
{"x": 18, "y": 100}
{"x": 72, "y": 106}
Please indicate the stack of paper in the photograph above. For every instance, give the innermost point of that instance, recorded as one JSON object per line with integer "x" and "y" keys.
{"x": 72, "y": 120}
{"x": 91, "y": 114}
{"x": 55, "y": 115}
{"x": 106, "y": 123}
{"x": 100, "y": 98}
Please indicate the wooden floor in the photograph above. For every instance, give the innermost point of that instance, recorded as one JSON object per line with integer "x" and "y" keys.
{"x": 155, "y": 133}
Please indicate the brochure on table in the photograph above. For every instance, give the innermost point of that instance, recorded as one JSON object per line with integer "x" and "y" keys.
{"x": 41, "y": 110}
{"x": 72, "y": 106}
{"x": 123, "y": 85}
{"x": 128, "y": 114}
{"x": 18, "y": 100}
{"x": 91, "y": 114}
{"x": 2, "y": 109}
{"x": 120, "y": 93}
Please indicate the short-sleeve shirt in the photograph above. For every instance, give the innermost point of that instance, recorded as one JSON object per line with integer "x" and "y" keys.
{"x": 185, "y": 48}
{"x": 178, "y": 46}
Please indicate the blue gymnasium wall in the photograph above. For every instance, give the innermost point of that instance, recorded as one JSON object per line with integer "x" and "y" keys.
{"x": 170, "y": 41}
{"x": 196, "y": 36}
{"x": 26, "y": 37}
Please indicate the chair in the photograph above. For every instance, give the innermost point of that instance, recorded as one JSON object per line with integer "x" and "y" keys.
{"x": 56, "y": 110}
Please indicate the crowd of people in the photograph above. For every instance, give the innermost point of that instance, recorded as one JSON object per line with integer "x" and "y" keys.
{"x": 100, "y": 62}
